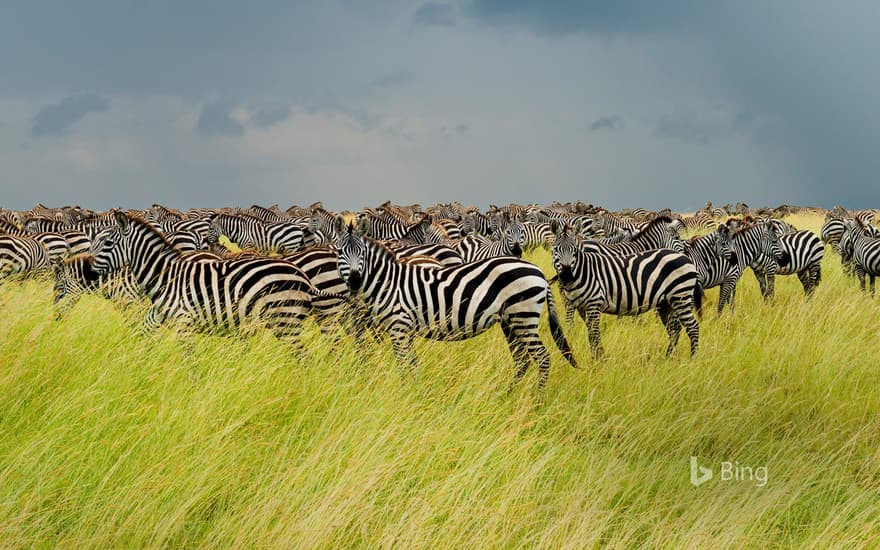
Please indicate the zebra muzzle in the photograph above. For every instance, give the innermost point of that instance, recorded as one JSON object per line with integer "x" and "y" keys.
{"x": 354, "y": 280}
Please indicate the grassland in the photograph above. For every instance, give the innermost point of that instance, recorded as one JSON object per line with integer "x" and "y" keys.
{"x": 112, "y": 439}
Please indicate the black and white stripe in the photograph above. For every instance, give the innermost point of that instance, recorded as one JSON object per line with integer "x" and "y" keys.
{"x": 240, "y": 293}
{"x": 860, "y": 247}
{"x": 596, "y": 283}
{"x": 452, "y": 303}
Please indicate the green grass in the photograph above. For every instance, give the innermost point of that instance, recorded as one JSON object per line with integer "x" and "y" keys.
{"x": 112, "y": 439}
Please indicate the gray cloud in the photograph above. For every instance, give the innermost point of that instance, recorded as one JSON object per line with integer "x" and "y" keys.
{"x": 612, "y": 122}
{"x": 216, "y": 120}
{"x": 602, "y": 16}
{"x": 391, "y": 80}
{"x": 434, "y": 13}
{"x": 269, "y": 115}
{"x": 56, "y": 118}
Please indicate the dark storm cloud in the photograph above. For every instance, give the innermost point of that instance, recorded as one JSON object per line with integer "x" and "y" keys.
{"x": 216, "y": 120}
{"x": 807, "y": 67}
{"x": 613, "y": 122}
{"x": 603, "y": 16}
{"x": 56, "y": 118}
{"x": 434, "y": 13}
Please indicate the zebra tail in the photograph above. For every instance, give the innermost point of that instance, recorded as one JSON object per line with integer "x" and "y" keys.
{"x": 698, "y": 299}
{"x": 556, "y": 331}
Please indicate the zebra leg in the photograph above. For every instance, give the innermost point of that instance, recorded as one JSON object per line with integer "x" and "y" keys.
{"x": 872, "y": 286}
{"x": 806, "y": 282}
{"x": 685, "y": 316}
{"x": 725, "y": 295}
{"x": 861, "y": 275}
{"x": 402, "y": 342}
{"x": 762, "y": 281}
{"x": 670, "y": 322}
{"x": 569, "y": 311}
{"x": 592, "y": 317}
{"x": 520, "y": 359}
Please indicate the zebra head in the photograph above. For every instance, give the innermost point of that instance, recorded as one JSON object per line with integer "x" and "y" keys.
{"x": 566, "y": 247}
{"x": 770, "y": 243}
{"x": 514, "y": 237}
{"x": 723, "y": 246}
{"x": 350, "y": 257}
{"x": 109, "y": 246}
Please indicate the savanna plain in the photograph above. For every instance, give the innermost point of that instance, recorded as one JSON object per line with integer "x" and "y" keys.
{"x": 109, "y": 438}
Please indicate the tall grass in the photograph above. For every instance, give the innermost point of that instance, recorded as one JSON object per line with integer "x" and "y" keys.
{"x": 112, "y": 439}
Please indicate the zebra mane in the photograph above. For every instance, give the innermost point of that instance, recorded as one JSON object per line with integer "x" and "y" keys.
{"x": 139, "y": 221}
{"x": 651, "y": 225}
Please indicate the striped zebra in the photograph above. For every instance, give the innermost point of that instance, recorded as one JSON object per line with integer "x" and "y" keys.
{"x": 800, "y": 253}
{"x": 76, "y": 276}
{"x": 241, "y": 294}
{"x": 476, "y": 223}
{"x": 715, "y": 260}
{"x": 249, "y": 232}
{"x": 658, "y": 233}
{"x": 597, "y": 283}
{"x": 475, "y": 247}
{"x": 453, "y": 303}
{"x": 9, "y": 228}
{"x": 22, "y": 254}
{"x": 755, "y": 245}
{"x": 862, "y": 249}
{"x": 443, "y": 254}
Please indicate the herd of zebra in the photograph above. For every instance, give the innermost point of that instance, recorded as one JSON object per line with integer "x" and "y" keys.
{"x": 446, "y": 272}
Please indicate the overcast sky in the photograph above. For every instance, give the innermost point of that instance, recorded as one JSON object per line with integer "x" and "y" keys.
{"x": 619, "y": 103}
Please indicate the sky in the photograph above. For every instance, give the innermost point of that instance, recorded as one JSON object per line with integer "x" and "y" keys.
{"x": 621, "y": 103}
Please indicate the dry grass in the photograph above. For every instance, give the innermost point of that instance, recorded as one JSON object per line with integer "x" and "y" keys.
{"x": 112, "y": 439}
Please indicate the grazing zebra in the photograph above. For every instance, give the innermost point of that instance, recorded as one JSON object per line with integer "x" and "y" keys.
{"x": 479, "y": 248}
{"x": 627, "y": 285}
{"x": 453, "y": 303}
{"x": 239, "y": 293}
{"x": 715, "y": 260}
{"x": 21, "y": 254}
{"x": 76, "y": 275}
{"x": 801, "y": 253}
{"x": 863, "y": 249}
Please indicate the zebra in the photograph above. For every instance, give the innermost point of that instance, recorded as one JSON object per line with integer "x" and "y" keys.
{"x": 476, "y": 223}
{"x": 863, "y": 249}
{"x": 479, "y": 248}
{"x": 240, "y": 293}
{"x": 445, "y": 255}
{"x": 251, "y": 232}
{"x": 656, "y": 234}
{"x": 185, "y": 240}
{"x": 716, "y": 261}
{"x": 596, "y": 283}
{"x": 755, "y": 245}
{"x": 453, "y": 303}
{"x": 801, "y": 253}
{"x": 76, "y": 275}
{"x": 9, "y": 228}
{"x": 22, "y": 254}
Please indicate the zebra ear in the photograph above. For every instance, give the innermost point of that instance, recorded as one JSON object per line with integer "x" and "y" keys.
{"x": 577, "y": 227}
{"x": 121, "y": 219}
{"x": 339, "y": 224}
{"x": 554, "y": 226}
